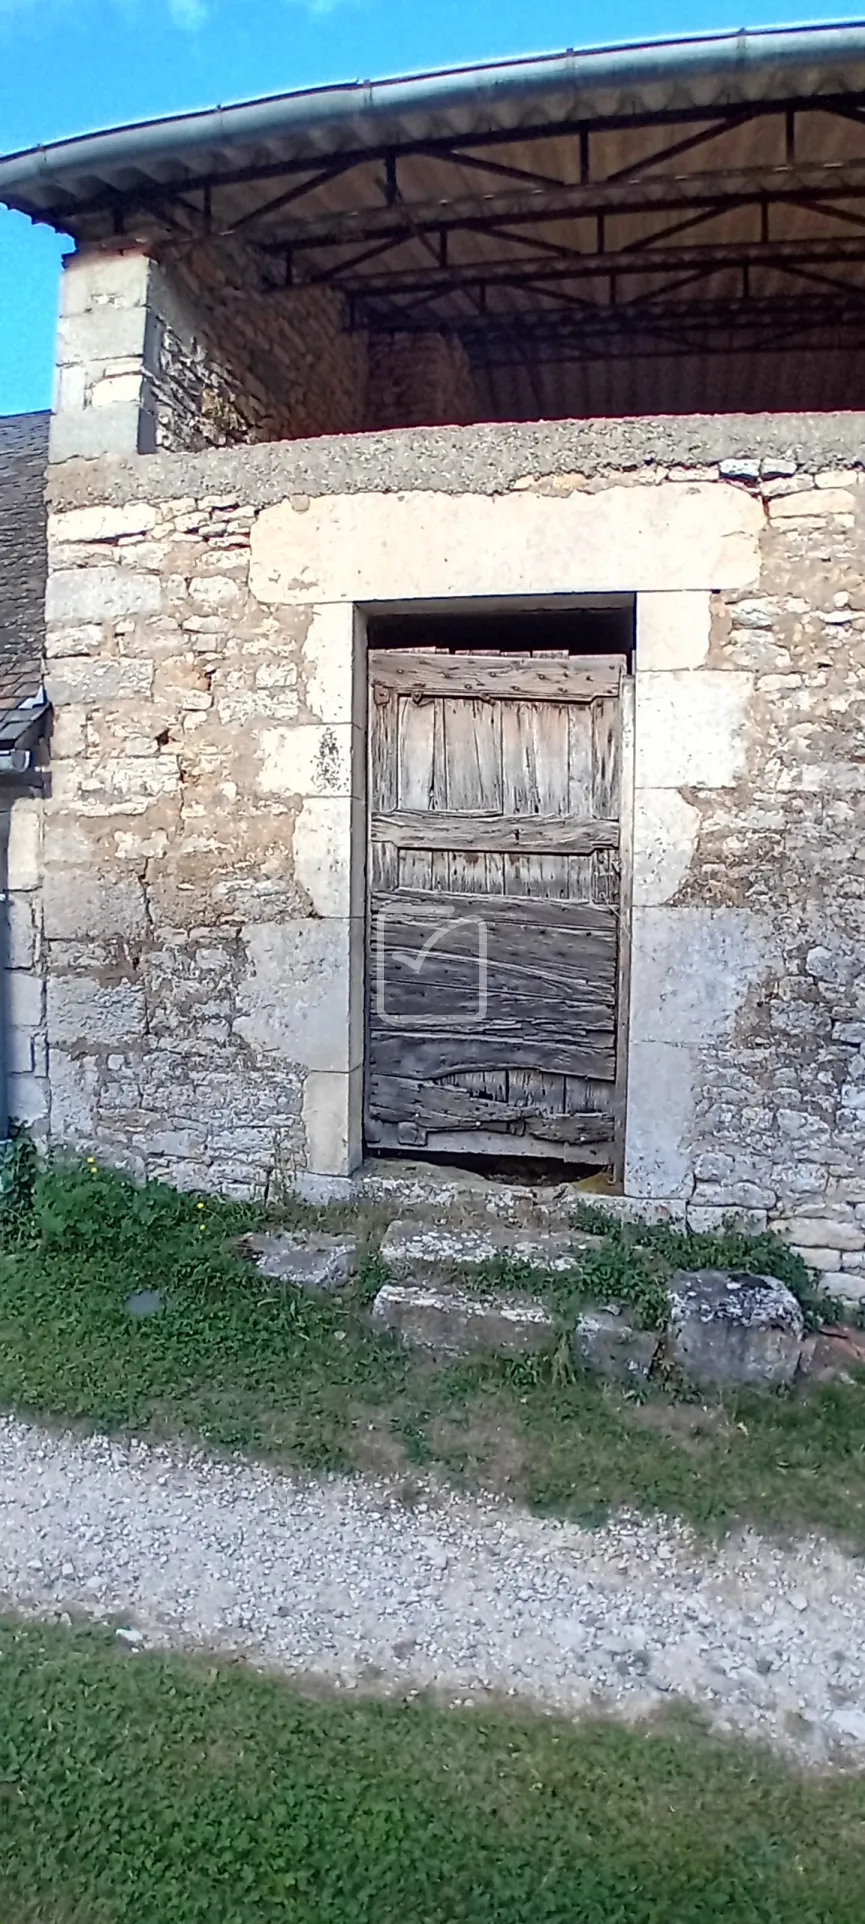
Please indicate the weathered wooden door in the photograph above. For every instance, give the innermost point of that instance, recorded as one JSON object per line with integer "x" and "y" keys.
{"x": 494, "y": 905}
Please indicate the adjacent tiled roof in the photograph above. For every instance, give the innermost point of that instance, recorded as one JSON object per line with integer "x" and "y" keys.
{"x": 23, "y": 556}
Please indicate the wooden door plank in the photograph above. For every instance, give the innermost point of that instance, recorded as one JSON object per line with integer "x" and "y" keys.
{"x": 421, "y": 786}
{"x": 486, "y": 834}
{"x": 383, "y": 864}
{"x": 498, "y": 677}
{"x": 427, "y": 1056}
{"x": 441, "y": 1106}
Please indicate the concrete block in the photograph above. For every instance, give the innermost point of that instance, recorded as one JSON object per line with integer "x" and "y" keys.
{"x": 665, "y": 840}
{"x": 660, "y": 1120}
{"x": 376, "y": 547}
{"x": 691, "y": 970}
{"x": 691, "y": 728}
{"x": 672, "y": 630}
{"x": 293, "y": 999}
{"x": 100, "y": 594}
{"x": 24, "y": 856}
{"x": 82, "y": 679}
{"x": 83, "y": 1011}
{"x": 333, "y": 1121}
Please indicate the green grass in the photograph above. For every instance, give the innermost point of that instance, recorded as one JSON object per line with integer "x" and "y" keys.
{"x": 184, "y": 1792}
{"x": 243, "y": 1364}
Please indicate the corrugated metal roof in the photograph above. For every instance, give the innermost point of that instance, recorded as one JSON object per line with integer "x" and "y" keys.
{"x": 584, "y": 222}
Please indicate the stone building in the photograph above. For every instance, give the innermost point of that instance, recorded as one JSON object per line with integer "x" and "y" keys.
{"x": 455, "y": 632}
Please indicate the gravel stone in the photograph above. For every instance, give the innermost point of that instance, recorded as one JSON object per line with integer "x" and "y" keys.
{"x": 338, "y": 1580}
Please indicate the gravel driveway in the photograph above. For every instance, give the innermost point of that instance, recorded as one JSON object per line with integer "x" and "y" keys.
{"x": 342, "y": 1581}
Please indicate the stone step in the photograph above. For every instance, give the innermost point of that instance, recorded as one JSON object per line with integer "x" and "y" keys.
{"x": 418, "y": 1252}
{"x": 463, "y": 1199}
{"x": 453, "y": 1322}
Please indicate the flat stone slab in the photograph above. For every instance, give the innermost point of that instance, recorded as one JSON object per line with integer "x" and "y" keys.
{"x": 143, "y": 1303}
{"x": 453, "y": 1322}
{"x": 305, "y": 1261}
{"x": 424, "y": 1253}
{"x": 607, "y": 1342}
{"x": 730, "y": 1327}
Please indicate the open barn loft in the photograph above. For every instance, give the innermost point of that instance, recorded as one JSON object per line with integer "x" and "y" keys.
{"x": 654, "y": 228}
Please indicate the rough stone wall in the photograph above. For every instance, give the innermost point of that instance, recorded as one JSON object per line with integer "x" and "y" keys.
{"x": 24, "y": 985}
{"x": 204, "y": 857}
{"x": 233, "y": 362}
{"x": 193, "y": 924}
{"x": 418, "y": 380}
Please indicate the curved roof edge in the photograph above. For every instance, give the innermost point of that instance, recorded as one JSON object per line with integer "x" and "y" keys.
{"x": 372, "y": 103}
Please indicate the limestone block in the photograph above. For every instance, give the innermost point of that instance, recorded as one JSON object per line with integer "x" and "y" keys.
{"x": 102, "y": 524}
{"x": 376, "y": 547}
{"x": 28, "y": 1099}
{"x": 97, "y": 279}
{"x": 314, "y": 1262}
{"x": 100, "y": 594}
{"x": 74, "y": 1086}
{"x": 330, "y": 852}
{"x": 69, "y": 733}
{"x": 215, "y": 593}
{"x": 78, "y": 903}
{"x": 660, "y": 1120}
{"x": 24, "y": 990}
{"x": 20, "y": 1053}
{"x": 331, "y": 665}
{"x": 83, "y": 1010}
{"x": 120, "y": 786}
{"x": 332, "y": 1117}
{"x": 452, "y": 1322}
{"x": 691, "y": 728}
{"x": 823, "y": 501}
{"x": 293, "y": 999}
{"x": 85, "y": 638}
{"x": 104, "y": 334}
{"x": 87, "y": 433}
{"x": 691, "y": 969}
{"x": 665, "y": 841}
{"x": 819, "y": 1232}
{"x": 83, "y": 680}
{"x": 20, "y": 932}
{"x": 846, "y": 1283}
{"x": 115, "y": 389}
{"x": 672, "y": 630}
{"x": 424, "y": 1252}
{"x": 730, "y": 1327}
{"x": 24, "y": 854}
{"x": 710, "y": 1217}
{"x": 605, "y": 1341}
{"x": 310, "y": 760}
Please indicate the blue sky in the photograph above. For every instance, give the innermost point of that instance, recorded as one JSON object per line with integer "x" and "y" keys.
{"x": 67, "y": 66}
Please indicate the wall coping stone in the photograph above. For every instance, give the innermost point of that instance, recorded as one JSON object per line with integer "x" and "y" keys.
{"x": 487, "y": 459}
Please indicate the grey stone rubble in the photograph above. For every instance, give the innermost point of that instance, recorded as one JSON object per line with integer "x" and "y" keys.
{"x": 606, "y": 1341}
{"x": 343, "y": 1582}
{"x": 304, "y": 1260}
{"x": 729, "y": 1327}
